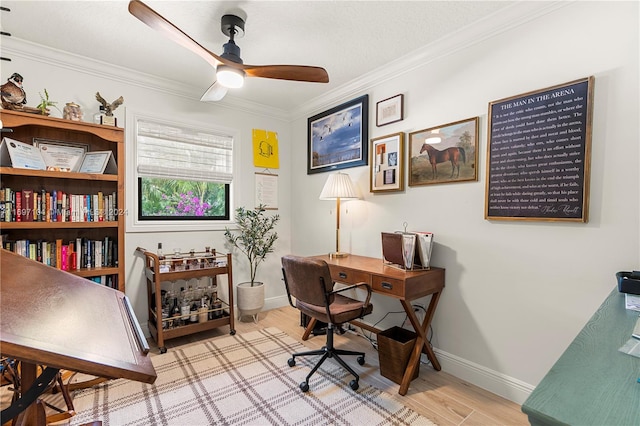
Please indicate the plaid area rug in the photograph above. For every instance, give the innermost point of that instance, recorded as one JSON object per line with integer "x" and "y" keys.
{"x": 241, "y": 380}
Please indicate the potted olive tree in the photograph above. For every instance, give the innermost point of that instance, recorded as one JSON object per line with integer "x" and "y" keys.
{"x": 255, "y": 239}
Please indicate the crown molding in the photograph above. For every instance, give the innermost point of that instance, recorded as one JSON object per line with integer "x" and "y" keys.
{"x": 20, "y": 48}
{"x": 506, "y": 19}
{"x": 502, "y": 21}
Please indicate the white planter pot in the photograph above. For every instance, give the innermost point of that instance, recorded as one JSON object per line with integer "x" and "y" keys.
{"x": 250, "y": 299}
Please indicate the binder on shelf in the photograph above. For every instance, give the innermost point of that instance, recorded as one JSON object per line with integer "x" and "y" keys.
{"x": 20, "y": 155}
{"x": 99, "y": 162}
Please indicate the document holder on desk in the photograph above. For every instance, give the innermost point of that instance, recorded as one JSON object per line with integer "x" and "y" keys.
{"x": 400, "y": 250}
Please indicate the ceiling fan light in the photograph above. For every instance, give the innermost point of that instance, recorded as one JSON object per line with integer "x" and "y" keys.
{"x": 230, "y": 77}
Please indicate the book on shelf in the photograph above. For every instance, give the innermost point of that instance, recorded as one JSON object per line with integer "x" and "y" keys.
{"x": 29, "y": 205}
{"x": 68, "y": 256}
{"x": 19, "y": 206}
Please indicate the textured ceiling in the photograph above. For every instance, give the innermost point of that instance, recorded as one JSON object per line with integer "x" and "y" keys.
{"x": 347, "y": 38}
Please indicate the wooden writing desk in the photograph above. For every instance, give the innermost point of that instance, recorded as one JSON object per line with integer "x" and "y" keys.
{"x": 592, "y": 383}
{"x": 399, "y": 284}
{"x": 63, "y": 321}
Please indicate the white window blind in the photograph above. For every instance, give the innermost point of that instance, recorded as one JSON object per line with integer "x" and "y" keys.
{"x": 168, "y": 151}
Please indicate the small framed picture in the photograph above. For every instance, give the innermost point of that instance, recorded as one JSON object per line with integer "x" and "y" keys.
{"x": 61, "y": 156}
{"x": 387, "y": 163}
{"x": 390, "y": 110}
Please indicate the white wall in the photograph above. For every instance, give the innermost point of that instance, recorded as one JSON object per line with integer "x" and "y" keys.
{"x": 516, "y": 293}
{"x": 69, "y": 78}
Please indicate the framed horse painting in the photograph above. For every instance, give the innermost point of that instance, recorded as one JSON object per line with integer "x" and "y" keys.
{"x": 443, "y": 154}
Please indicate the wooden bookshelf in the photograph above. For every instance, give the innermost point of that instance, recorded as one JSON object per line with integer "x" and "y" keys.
{"x": 24, "y": 128}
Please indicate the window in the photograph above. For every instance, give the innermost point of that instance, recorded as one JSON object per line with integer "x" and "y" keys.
{"x": 183, "y": 173}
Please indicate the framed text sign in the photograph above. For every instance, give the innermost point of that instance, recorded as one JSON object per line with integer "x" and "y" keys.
{"x": 538, "y": 154}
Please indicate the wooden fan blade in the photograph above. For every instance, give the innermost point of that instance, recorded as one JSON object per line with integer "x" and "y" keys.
{"x": 154, "y": 20}
{"x": 214, "y": 93}
{"x": 288, "y": 72}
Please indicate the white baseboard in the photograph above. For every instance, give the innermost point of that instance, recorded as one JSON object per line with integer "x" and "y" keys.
{"x": 500, "y": 384}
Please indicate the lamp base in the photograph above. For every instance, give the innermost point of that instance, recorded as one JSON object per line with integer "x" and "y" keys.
{"x": 338, "y": 254}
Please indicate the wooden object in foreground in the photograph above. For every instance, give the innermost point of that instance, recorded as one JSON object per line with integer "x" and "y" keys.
{"x": 63, "y": 321}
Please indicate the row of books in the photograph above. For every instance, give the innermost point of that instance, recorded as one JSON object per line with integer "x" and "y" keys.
{"x": 68, "y": 256}
{"x": 27, "y": 205}
{"x": 106, "y": 280}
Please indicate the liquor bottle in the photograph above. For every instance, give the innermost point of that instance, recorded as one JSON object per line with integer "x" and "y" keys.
{"x": 174, "y": 313}
{"x": 202, "y": 312}
{"x": 194, "y": 312}
{"x": 185, "y": 308}
{"x": 160, "y": 253}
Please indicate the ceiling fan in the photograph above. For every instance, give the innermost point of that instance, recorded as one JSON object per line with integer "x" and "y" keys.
{"x": 230, "y": 69}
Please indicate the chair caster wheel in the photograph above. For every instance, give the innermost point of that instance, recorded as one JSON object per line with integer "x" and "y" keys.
{"x": 291, "y": 362}
{"x": 163, "y": 350}
{"x": 361, "y": 360}
{"x": 304, "y": 386}
{"x": 353, "y": 384}
{"x": 232, "y": 332}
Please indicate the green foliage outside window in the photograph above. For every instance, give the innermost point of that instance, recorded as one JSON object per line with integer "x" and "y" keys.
{"x": 182, "y": 199}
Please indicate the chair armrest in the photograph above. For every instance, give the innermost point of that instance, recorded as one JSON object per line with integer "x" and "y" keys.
{"x": 350, "y": 287}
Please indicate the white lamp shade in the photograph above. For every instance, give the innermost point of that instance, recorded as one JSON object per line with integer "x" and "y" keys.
{"x": 230, "y": 77}
{"x": 338, "y": 185}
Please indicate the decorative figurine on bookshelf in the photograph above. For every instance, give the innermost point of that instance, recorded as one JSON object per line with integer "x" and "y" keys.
{"x": 108, "y": 118}
{"x": 13, "y": 95}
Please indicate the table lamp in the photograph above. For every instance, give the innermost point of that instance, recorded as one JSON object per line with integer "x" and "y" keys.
{"x": 338, "y": 186}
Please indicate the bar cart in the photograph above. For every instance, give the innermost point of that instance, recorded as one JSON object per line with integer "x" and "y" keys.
{"x": 210, "y": 310}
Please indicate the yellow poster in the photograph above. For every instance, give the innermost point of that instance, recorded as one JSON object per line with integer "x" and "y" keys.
{"x": 265, "y": 149}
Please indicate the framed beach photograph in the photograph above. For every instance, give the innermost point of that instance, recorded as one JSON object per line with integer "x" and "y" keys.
{"x": 338, "y": 138}
{"x": 443, "y": 154}
{"x": 390, "y": 110}
{"x": 386, "y": 171}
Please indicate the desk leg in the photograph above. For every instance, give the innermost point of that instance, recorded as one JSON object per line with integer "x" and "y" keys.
{"x": 421, "y": 342}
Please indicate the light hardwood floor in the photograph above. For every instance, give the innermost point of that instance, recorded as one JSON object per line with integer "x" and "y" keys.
{"x": 439, "y": 396}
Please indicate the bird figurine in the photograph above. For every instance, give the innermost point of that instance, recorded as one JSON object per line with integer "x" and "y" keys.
{"x": 109, "y": 107}
{"x": 13, "y": 95}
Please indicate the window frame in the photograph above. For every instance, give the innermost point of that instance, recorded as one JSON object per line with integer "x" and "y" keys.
{"x": 133, "y": 223}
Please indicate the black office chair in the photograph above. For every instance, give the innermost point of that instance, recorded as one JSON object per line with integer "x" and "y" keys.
{"x": 309, "y": 282}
